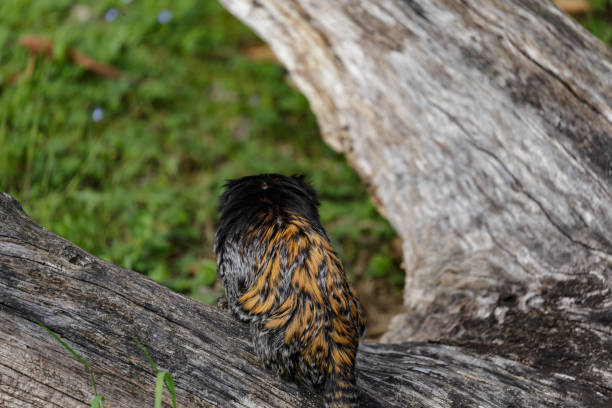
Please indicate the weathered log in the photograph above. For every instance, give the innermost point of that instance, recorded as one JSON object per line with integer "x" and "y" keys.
{"x": 483, "y": 128}
{"x": 99, "y": 309}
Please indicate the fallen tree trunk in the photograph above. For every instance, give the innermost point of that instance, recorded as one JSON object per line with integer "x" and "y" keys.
{"x": 483, "y": 129}
{"x": 100, "y": 310}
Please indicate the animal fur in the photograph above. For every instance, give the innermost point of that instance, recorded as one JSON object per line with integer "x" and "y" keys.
{"x": 282, "y": 276}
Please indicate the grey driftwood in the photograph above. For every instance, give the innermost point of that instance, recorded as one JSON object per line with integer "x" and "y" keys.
{"x": 100, "y": 310}
{"x": 483, "y": 130}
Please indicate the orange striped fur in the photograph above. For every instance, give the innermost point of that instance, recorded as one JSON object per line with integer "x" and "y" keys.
{"x": 283, "y": 277}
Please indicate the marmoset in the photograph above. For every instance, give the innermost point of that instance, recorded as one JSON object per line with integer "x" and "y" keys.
{"x": 282, "y": 276}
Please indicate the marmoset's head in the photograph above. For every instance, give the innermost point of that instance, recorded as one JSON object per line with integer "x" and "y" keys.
{"x": 253, "y": 194}
{"x": 246, "y": 199}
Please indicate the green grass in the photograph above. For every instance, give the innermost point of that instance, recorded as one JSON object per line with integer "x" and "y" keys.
{"x": 163, "y": 378}
{"x": 139, "y": 187}
{"x": 599, "y": 20}
{"x": 98, "y": 401}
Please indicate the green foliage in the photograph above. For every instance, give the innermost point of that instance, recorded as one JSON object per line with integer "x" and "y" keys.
{"x": 139, "y": 187}
{"x": 599, "y": 20}
{"x": 379, "y": 266}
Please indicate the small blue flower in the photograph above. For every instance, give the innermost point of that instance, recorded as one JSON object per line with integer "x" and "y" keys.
{"x": 164, "y": 16}
{"x": 97, "y": 114}
{"x": 111, "y": 14}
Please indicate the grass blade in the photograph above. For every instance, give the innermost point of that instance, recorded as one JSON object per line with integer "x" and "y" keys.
{"x": 97, "y": 402}
{"x": 159, "y": 388}
{"x": 98, "y": 399}
{"x": 170, "y": 384}
{"x": 144, "y": 350}
{"x": 163, "y": 377}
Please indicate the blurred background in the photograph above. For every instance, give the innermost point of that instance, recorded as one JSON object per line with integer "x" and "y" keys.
{"x": 120, "y": 120}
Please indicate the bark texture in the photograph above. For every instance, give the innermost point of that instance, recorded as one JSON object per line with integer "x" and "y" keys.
{"x": 483, "y": 128}
{"x": 99, "y": 309}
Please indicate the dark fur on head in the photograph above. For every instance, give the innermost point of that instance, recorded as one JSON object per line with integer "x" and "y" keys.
{"x": 281, "y": 275}
{"x": 247, "y": 197}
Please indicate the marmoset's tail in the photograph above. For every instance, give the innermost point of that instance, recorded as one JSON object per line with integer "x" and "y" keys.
{"x": 340, "y": 390}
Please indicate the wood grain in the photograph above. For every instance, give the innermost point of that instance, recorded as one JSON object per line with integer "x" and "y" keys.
{"x": 482, "y": 128}
{"x": 99, "y": 308}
